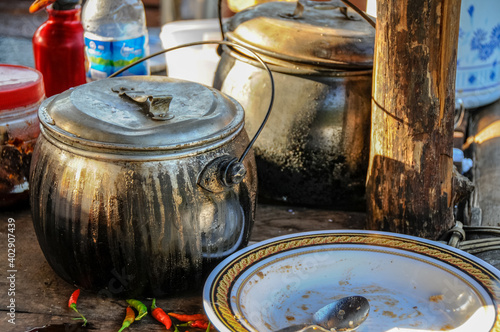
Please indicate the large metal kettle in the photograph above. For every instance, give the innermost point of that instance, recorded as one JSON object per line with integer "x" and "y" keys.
{"x": 135, "y": 184}
{"x": 315, "y": 148}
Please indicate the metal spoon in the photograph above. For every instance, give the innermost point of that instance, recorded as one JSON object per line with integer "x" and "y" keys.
{"x": 345, "y": 314}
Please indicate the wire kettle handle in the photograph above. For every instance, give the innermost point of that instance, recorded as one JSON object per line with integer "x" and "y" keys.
{"x": 228, "y": 171}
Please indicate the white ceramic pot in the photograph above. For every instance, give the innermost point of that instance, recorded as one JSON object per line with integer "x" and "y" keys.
{"x": 196, "y": 63}
{"x": 478, "y": 58}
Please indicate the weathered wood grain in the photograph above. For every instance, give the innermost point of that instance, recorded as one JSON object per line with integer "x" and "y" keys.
{"x": 409, "y": 183}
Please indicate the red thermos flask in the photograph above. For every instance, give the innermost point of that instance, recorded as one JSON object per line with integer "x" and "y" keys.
{"x": 58, "y": 46}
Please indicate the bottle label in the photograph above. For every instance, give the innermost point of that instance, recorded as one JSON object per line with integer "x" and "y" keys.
{"x": 106, "y": 57}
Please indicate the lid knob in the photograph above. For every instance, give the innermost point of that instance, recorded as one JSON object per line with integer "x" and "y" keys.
{"x": 155, "y": 105}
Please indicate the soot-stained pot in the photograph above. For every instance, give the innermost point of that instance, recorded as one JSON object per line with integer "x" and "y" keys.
{"x": 134, "y": 186}
{"x": 315, "y": 147}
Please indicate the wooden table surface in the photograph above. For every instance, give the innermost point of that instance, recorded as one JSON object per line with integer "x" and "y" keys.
{"x": 41, "y": 296}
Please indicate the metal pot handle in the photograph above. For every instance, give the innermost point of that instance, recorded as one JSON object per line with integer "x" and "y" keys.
{"x": 223, "y": 172}
{"x": 361, "y": 13}
{"x": 299, "y": 9}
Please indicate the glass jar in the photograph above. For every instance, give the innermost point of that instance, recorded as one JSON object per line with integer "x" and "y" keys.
{"x": 21, "y": 93}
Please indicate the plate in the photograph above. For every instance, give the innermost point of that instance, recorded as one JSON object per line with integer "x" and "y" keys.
{"x": 412, "y": 284}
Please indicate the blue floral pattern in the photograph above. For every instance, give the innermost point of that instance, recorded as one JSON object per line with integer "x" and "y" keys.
{"x": 486, "y": 47}
{"x": 470, "y": 11}
{"x": 495, "y": 35}
{"x": 478, "y": 53}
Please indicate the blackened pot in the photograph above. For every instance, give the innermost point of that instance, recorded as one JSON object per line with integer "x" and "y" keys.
{"x": 315, "y": 147}
{"x": 125, "y": 190}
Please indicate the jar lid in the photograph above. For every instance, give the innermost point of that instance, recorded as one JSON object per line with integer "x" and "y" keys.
{"x": 19, "y": 86}
{"x": 150, "y": 113}
{"x": 324, "y": 33}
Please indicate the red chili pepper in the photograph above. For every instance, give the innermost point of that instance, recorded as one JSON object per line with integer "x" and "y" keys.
{"x": 201, "y": 323}
{"x": 72, "y": 304}
{"x": 73, "y": 298}
{"x": 187, "y": 318}
{"x": 129, "y": 319}
{"x": 160, "y": 315}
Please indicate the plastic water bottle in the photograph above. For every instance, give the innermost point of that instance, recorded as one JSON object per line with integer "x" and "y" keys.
{"x": 115, "y": 36}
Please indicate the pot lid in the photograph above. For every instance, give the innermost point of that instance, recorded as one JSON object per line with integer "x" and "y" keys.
{"x": 19, "y": 86}
{"x": 325, "y": 33}
{"x": 141, "y": 113}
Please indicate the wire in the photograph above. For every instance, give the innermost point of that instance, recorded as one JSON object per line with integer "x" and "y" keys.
{"x": 219, "y": 13}
{"x": 219, "y": 42}
{"x": 360, "y": 12}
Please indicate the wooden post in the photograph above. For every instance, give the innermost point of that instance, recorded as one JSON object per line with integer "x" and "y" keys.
{"x": 409, "y": 181}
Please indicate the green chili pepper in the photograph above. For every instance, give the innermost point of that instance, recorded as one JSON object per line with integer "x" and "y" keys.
{"x": 139, "y": 306}
{"x": 129, "y": 319}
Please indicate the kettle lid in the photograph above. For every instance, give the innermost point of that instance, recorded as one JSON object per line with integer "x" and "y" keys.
{"x": 324, "y": 33}
{"x": 141, "y": 113}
